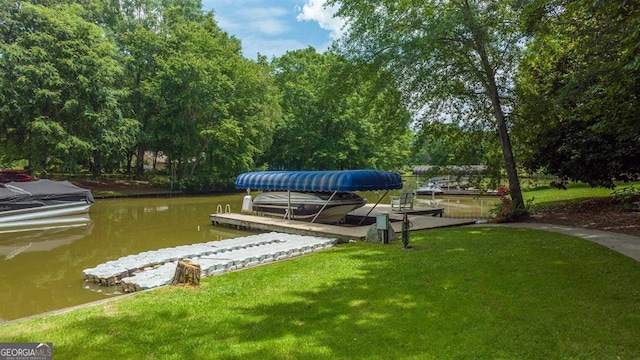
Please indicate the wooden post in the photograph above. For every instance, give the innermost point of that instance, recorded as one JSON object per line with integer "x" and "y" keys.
{"x": 187, "y": 272}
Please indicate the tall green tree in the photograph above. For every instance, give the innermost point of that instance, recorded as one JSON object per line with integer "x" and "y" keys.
{"x": 335, "y": 117}
{"x": 384, "y": 111}
{"x": 299, "y": 141}
{"x": 134, "y": 25}
{"x": 58, "y": 76}
{"x": 216, "y": 109}
{"x": 579, "y": 90}
{"x": 455, "y": 59}
{"x": 197, "y": 99}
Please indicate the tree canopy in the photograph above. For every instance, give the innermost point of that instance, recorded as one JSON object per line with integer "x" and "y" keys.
{"x": 98, "y": 84}
{"x": 58, "y": 85}
{"x": 579, "y": 91}
{"x": 450, "y": 144}
{"x": 335, "y": 117}
{"x": 454, "y": 59}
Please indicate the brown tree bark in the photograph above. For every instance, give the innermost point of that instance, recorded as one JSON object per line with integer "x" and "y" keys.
{"x": 187, "y": 272}
{"x": 140, "y": 162}
{"x": 492, "y": 91}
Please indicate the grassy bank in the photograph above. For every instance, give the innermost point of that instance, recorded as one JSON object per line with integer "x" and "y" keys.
{"x": 574, "y": 191}
{"x": 460, "y": 293}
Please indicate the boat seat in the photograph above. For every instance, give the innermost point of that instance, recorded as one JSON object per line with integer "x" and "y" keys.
{"x": 404, "y": 201}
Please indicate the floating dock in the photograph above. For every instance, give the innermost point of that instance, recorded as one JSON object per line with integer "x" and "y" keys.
{"x": 421, "y": 218}
{"x": 156, "y": 268}
{"x": 288, "y": 238}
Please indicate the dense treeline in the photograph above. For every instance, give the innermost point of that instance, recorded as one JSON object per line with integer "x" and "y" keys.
{"x": 558, "y": 77}
{"x": 337, "y": 117}
{"x": 454, "y": 59}
{"x": 578, "y": 88}
{"x": 96, "y": 84}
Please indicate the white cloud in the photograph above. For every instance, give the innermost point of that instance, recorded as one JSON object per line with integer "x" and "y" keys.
{"x": 315, "y": 10}
{"x": 268, "y": 20}
{"x": 227, "y": 23}
{"x": 273, "y": 27}
{"x": 251, "y": 46}
{"x": 269, "y": 26}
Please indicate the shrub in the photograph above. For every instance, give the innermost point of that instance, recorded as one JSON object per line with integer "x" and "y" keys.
{"x": 628, "y": 196}
{"x": 504, "y": 211}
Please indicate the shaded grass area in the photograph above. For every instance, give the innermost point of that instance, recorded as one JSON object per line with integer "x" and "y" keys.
{"x": 583, "y": 206}
{"x": 476, "y": 292}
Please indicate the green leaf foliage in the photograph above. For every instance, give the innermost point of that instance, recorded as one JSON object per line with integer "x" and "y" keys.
{"x": 336, "y": 116}
{"x": 215, "y": 110}
{"x": 97, "y": 84}
{"x": 454, "y": 60}
{"x": 451, "y": 144}
{"x": 57, "y": 82}
{"x": 578, "y": 91}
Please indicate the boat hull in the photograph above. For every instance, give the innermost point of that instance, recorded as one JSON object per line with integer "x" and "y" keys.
{"x": 42, "y": 203}
{"x": 429, "y": 190}
{"x": 307, "y": 206}
{"x": 45, "y": 216}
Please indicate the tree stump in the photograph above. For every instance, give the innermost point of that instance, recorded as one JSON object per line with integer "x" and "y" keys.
{"x": 187, "y": 272}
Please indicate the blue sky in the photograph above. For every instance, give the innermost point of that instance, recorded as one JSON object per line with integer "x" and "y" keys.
{"x": 272, "y": 27}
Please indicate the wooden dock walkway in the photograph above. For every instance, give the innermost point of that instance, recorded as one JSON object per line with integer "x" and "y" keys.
{"x": 421, "y": 218}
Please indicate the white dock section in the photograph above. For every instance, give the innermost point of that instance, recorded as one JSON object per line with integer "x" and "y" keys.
{"x": 156, "y": 268}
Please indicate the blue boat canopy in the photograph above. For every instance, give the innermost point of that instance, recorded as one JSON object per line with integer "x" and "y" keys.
{"x": 339, "y": 180}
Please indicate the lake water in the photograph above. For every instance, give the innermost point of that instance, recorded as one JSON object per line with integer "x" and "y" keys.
{"x": 41, "y": 271}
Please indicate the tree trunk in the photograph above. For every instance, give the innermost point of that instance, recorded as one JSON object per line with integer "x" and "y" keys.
{"x": 140, "y": 161}
{"x": 97, "y": 164}
{"x": 507, "y": 152}
{"x": 510, "y": 164}
{"x": 129, "y": 160}
{"x": 187, "y": 272}
{"x": 503, "y": 131}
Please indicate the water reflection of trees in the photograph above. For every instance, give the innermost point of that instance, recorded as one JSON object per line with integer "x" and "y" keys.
{"x": 51, "y": 277}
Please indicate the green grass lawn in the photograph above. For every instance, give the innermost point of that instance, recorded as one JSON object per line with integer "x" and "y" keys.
{"x": 574, "y": 191}
{"x": 461, "y": 293}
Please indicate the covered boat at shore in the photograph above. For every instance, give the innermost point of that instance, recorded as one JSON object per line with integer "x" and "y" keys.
{"x": 316, "y": 196}
{"x": 42, "y": 203}
{"x": 306, "y": 205}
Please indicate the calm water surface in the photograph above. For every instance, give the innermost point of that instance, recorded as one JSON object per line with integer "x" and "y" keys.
{"x": 41, "y": 271}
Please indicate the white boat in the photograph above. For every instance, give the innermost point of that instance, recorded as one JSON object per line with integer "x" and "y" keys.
{"x": 324, "y": 207}
{"x": 429, "y": 189}
{"x": 43, "y": 203}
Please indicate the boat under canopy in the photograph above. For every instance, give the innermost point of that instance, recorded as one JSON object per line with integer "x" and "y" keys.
{"x": 338, "y": 180}
{"x": 308, "y": 205}
{"x": 287, "y": 192}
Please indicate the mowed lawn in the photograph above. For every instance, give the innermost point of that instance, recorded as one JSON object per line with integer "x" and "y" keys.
{"x": 460, "y": 293}
{"x": 575, "y": 191}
